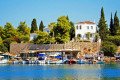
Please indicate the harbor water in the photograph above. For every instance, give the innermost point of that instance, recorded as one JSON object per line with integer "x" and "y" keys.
{"x": 60, "y": 72}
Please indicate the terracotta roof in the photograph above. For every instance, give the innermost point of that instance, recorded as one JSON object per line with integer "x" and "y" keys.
{"x": 48, "y": 28}
{"x": 85, "y": 22}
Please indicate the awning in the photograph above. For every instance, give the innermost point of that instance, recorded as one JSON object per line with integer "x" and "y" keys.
{"x": 58, "y": 56}
{"x": 40, "y": 54}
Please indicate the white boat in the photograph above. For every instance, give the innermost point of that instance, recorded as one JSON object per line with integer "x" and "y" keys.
{"x": 17, "y": 62}
{"x": 2, "y": 60}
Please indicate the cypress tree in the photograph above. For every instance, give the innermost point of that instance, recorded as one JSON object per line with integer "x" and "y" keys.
{"x": 41, "y": 26}
{"x": 34, "y": 26}
{"x": 103, "y": 29}
{"x": 112, "y": 29}
{"x": 116, "y": 23}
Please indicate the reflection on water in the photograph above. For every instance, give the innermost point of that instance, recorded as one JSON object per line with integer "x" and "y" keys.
{"x": 60, "y": 72}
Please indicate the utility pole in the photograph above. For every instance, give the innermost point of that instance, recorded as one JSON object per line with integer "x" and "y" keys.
{"x": 36, "y": 49}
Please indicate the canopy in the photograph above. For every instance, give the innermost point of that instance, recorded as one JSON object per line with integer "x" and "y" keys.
{"x": 40, "y": 54}
{"x": 58, "y": 56}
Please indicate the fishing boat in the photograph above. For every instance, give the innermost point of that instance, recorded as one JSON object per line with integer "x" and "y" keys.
{"x": 41, "y": 59}
{"x": 57, "y": 60}
{"x": 2, "y": 60}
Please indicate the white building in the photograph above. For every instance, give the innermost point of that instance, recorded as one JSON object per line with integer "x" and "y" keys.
{"x": 47, "y": 29}
{"x": 82, "y": 29}
{"x": 32, "y": 36}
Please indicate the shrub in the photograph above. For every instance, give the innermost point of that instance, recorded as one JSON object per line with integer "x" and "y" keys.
{"x": 109, "y": 48}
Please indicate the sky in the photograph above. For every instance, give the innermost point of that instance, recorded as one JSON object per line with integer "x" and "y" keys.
{"x": 14, "y": 11}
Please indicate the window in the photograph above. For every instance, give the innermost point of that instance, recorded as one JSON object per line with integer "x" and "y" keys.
{"x": 87, "y": 27}
{"x": 76, "y": 27}
{"x": 91, "y": 27}
{"x": 80, "y": 27}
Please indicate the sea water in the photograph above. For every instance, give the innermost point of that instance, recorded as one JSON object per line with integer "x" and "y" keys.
{"x": 60, "y": 72}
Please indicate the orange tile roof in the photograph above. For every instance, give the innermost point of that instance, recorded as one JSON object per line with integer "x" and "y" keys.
{"x": 48, "y": 28}
{"x": 85, "y": 22}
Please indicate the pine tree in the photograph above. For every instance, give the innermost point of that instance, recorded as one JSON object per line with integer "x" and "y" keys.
{"x": 41, "y": 26}
{"x": 103, "y": 29}
{"x": 112, "y": 29}
{"x": 34, "y": 26}
{"x": 116, "y": 23}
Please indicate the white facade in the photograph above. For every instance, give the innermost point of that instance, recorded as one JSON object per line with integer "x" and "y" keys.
{"x": 32, "y": 36}
{"x": 82, "y": 28}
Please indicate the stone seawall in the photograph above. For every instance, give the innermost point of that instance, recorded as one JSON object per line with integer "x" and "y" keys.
{"x": 16, "y": 48}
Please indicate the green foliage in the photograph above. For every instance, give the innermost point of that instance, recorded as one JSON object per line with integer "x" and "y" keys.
{"x": 62, "y": 29}
{"x": 43, "y": 38}
{"x": 103, "y": 28}
{"x": 3, "y": 48}
{"x": 22, "y": 28}
{"x": 7, "y": 42}
{"x": 113, "y": 39}
{"x": 96, "y": 37}
{"x": 112, "y": 28}
{"x": 24, "y": 38}
{"x": 51, "y": 24}
{"x": 109, "y": 48}
{"x": 34, "y": 26}
{"x": 72, "y": 30}
{"x": 88, "y": 35}
{"x": 2, "y": 32}
{"x": 116, "y": 23}
{"x": 9, "y": 31}
{"x": 1, "y": 41}
{"x": 41, "y": 26}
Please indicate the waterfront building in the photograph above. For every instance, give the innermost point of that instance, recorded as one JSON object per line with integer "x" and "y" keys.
{"x": 83, "y": 28}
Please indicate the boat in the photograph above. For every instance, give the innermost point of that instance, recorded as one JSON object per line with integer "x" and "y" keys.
{"x": 100, "y": 62}
{"x": 25, "y": 62}
{"x": 81, "y": 61}
{"x": 57, "y": 60}
{"x": 2, "y": 60}
{"x": 17, "y": 62}
{"x": 41, "y": 59}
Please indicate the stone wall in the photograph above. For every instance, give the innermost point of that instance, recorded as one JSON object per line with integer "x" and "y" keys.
{"x": 16, "y": 48}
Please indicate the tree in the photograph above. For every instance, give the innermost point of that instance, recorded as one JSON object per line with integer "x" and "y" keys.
{"x": 3, "y": 48}
{"x": 116, "y": 23}
{"x": 24, "y": 38}
{"x": 1, "y": 41}
{"x": 109, "y": 48}
{"x": 72, "y": 30}
{"x": 96, "y": 37}
{"x": 88, "y": 35}
{"x": 52, "y": 24}
{"x": 41, "y": 26}
{"x": 67, "y": 18}
{"x": 9, "y": 31}
{"x": 103, "y": 28}
{"x": 2, "y": 32}
{"x": 23, "y": 29}
{"x": 7, "y": 42}
{"x": 34, "y": 26}
{"x": 62, "y": 29}
{"x": 112, "y": 28}
{"x": 43, "y": 38}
